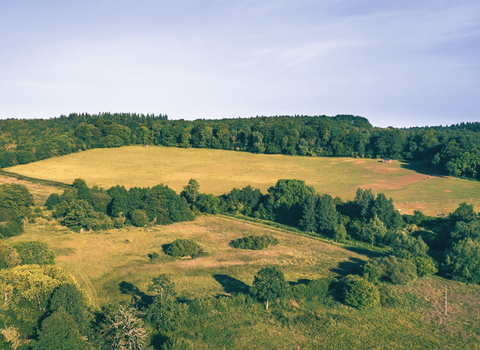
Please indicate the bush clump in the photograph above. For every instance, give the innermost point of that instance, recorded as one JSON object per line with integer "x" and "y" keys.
{"x": 360, "y": 293}
{"x": 184, "y": 247}
{"x": 254, "y": 242}
{"x": 390, "y": 269}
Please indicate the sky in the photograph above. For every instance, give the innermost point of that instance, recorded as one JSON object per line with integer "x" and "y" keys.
{"x": 396, "y": 63}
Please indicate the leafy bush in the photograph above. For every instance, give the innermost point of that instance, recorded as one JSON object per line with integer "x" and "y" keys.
{"x": 315, "y": 289}
{"x": 254, "y": 242}
{"x": 52, "y": 201}
{"x": 139, "y": 218}
{"x": 360, "y": 293}
{"x": 426, "y": 266}
{"x": 390, "y": 269}
{"x": 463, "y": 261}
{"x": 34, "y": 252}
{"x": 183, "y": 247}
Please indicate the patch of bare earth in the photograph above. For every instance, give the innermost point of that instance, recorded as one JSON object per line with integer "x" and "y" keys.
{"x": 397, "y": 183}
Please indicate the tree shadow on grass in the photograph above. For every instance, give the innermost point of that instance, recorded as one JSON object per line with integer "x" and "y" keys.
{"x": 231, "y": 285}
{"x": 165, "y": 247}
{"x": 304, "y": 281}
{"x": 351, "y": 267}
{"x": 363, "y": 251}
{"x": 139, "y": 298}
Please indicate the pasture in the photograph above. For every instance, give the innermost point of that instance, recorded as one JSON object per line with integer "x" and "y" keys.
{"x": 114, "y": 266}
{"x": 219, "y": 171}
{"x": 102, "y": 261}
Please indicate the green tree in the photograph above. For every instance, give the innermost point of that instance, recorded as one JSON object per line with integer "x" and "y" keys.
{"x": 285, "y": 200}
{"x": 191, "y": 192}
{"x": 163, "y": 311}
{"x": 75, "y": 303}
{"x": 207, "y": 203}
{"x": 182, "y": 247}
{"x": 80, "y": 214}
{"x": 268, "y": 284}
{"x": 139, "y": 218}
{"x": 8, "y": 256}
{"x": 83, "y": 192}
{"x": 373, "y": 231}
{"x": 308, "y": 222}
{"x": 52, "y": 201}
{"x": 463, "y": 261}
{"x": 464, "y": 212}
{"x": 25, "y": 291}
{"x": 326, "y": 215}
{"x": 59, "y": 331}
{"x": 34, "y": 252}
{"x": 340, "y": 233}
{"x": 360, "y": 293}
{"x": 390, "y": 269}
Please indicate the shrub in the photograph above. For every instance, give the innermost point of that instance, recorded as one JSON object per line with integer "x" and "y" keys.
{"x": 139, "y": 218}
{"x": 426, "y": 266}
{"x": 182, "y": 247}
{"x": 360, "y": 293}
{"x": 315, "y": 289}
{"x": 34, "y": 252}
{"x": 390, "y": 269}
{"x": 254, "y": 242}
{"x": 52, "y": 201}
{"x": 463, "y": 261}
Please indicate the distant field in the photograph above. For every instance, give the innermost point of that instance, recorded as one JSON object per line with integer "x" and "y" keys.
{"x": 219, "y": 171}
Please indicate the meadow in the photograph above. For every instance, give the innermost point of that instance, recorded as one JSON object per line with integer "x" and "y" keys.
{"x": 219, "y": 171}
{"x": 114, "y": 266}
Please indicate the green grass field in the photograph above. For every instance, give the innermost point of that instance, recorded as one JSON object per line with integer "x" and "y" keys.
{"x": 101, "y": 261}
{"x": 219, "y": 171}
{"x": 113, "y": 266}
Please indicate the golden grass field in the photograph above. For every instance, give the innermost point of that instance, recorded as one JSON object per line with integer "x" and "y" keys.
{"x": 101, "y": 261}
{"x": 219, "y": 171}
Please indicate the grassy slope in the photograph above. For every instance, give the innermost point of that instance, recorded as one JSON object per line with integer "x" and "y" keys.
{"x": 107, "y": 263}
{"x": 107, "y": 259}
{"x": 219, "y": 171}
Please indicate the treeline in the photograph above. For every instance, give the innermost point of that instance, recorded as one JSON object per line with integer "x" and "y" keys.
{"x": 454, "y": 150}
{"x": 422, "y": 245}
{"x": 83, "y": 208}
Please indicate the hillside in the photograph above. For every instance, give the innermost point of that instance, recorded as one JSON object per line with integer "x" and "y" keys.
{"x": 219, "y": 171}
{"x": 114, "y": 266}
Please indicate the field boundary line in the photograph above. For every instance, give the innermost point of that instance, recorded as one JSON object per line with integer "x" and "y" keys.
{"x": 292, "y": 230}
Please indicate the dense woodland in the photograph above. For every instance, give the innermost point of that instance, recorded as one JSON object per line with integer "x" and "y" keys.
{"x": 453, "y": 150}
{"x": 43, "y": 307}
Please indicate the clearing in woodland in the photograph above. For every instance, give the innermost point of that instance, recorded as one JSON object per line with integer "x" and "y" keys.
{"x": 219, "y": 171}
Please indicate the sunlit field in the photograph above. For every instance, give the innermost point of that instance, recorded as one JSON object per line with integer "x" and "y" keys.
{"x": 219, "y": 171}
{"x": 114, "y": 266}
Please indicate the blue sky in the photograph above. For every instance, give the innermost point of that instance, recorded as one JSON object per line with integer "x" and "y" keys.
{"x": 398, "y": 63}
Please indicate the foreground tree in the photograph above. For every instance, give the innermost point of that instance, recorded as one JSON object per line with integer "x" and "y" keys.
{"x": 124, "y": 330}
{"x": 60, "y": 332}
{"x": 463, "y": 261}
{"x": 269, "y": 284}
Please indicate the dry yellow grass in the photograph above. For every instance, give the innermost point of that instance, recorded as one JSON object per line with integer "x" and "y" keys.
{"x": 100, "y": 261}
{"x": 219, "y": 171}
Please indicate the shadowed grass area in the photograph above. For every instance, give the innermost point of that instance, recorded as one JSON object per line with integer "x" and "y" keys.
{"x": 219, "y": 171}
